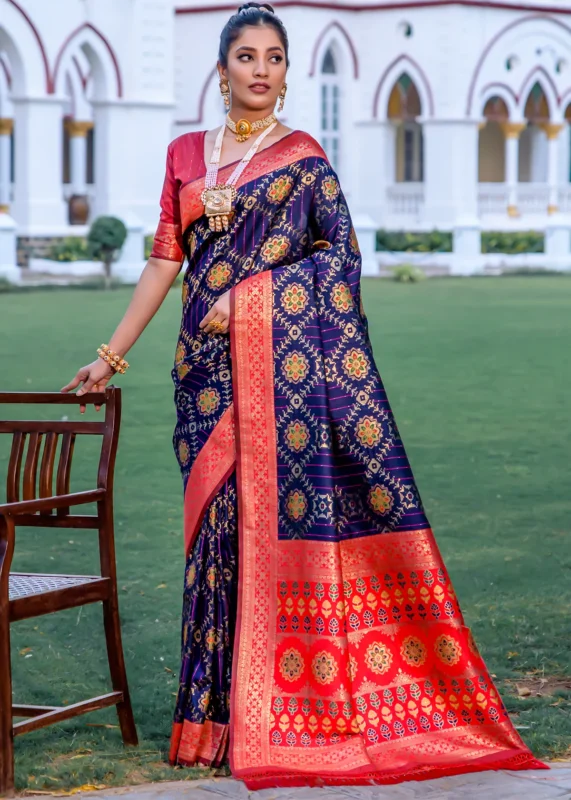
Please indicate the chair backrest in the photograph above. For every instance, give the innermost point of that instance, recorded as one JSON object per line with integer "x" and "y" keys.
{"x": 32, "y": 471}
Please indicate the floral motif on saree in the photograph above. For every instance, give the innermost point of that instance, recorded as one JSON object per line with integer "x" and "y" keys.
{"x": 350, "y": 659}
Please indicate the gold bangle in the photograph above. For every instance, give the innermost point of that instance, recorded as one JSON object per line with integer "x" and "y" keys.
{"x": 115, "y": 361}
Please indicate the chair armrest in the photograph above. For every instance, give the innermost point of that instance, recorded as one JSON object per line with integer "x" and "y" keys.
{"x": 48, "y": 503}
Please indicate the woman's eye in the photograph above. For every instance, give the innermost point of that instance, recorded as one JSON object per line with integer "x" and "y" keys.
{"x": 279, "y": 58}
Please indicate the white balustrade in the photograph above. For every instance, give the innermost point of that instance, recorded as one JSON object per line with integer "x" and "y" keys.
{"x": 492, "y": 198}
{"x": 406, "y": 200}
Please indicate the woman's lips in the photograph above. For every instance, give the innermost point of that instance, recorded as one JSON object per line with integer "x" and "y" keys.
{"x": 259, "y": 88}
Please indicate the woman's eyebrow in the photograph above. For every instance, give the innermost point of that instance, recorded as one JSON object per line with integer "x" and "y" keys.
{"x": 247, "y": 47}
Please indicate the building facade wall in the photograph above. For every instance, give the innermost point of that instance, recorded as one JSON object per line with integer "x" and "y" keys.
{"x": 434, "y": 120}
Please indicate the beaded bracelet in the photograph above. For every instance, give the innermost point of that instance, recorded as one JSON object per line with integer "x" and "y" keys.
{"x": 115, "y": 361}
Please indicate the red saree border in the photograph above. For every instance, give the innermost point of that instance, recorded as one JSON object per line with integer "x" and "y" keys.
{"x": 296, "y": 146}
{"x": 265, "y": 560}
{"x": 213, "y": 466}
{"x": 198, "y": 742}
{"x": 256, "y": 473}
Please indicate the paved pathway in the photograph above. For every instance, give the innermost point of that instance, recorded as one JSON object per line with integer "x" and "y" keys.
{"x": 525, "y": 785}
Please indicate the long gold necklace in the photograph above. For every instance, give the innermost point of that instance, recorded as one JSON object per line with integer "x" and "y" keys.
{"x": 243, "y": 129}
{"x": 218, "y": 198}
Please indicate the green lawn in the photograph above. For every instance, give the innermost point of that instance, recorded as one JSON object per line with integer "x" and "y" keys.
{"x": 477, "y": 371}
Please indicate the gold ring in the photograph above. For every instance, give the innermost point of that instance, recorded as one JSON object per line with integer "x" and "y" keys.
{"x": 217, "y": 326}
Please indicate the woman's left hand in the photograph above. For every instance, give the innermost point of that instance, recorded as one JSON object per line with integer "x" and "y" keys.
{"x": 220, "y": 312}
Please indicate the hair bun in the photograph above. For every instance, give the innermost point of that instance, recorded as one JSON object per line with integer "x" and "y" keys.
{"x": 260, "y": 6}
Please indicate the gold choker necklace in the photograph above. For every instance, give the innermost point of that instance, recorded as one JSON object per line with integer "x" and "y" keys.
{"x": 244, "y": 128}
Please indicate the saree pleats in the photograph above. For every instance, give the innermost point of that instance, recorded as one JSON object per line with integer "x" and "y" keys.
{"x": 333, "y": 650}
{"x": 200, "y": 731}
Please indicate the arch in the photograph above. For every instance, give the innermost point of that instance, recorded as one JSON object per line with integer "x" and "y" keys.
{"x": 101, "y": 56}
{"x": 201, "y": 100}
{"x": 18, "y": 35}
{"x": 540, "y": 83}
{"x": 486, "y": 51}
{"x": 403, "y": 64}
{"x": 496, "y": 109}
{"x": 6, "y": 71}
{"x": 319, "y": 46}
{"x": 502, "y": 92}
{"x": 404, "y": 99}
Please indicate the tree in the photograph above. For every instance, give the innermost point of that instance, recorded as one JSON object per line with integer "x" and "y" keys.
{"x": 106, "y": 237}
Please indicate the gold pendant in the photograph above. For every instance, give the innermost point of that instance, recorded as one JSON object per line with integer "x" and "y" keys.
{"x": 243, "y": 130}
{"x": 218, "y": 206}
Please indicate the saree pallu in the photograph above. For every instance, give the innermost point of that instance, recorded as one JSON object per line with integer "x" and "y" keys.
{"x": 350, "y": 659}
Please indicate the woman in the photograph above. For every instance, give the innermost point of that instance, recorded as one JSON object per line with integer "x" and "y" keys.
{"x": 322, "y": 640}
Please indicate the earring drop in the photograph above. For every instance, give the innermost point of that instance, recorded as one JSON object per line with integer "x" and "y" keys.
{"x": 225, "y": 92}
{"x": 282, "y": 95}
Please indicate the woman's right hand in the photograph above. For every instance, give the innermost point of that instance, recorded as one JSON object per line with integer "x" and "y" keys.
{"x": 94, "y": 376}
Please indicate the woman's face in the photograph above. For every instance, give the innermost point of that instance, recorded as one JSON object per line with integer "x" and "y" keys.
{"x": 256, "y": 68}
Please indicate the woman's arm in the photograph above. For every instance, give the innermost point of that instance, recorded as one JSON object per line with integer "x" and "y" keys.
{"x": 154, "y": 283}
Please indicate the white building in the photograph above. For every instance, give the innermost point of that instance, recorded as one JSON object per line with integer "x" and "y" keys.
{"x": 432, "y": 111}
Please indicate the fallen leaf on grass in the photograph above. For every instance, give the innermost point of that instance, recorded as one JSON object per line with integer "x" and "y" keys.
{"x": 25, "y": 650}
{"x": 523, "y": 691}
{"x": 513, "y": 654}
{"x": 168, "y": 670}
{"x": 161, "y": 586}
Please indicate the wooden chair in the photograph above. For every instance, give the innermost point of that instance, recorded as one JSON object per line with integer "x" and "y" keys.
{"x": 25, "y": 595}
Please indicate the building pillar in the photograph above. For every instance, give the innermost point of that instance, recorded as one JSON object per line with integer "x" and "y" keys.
{"x": 450, "y": 171}
{"x": 512, "y": 132}
{"x": 39, "y": 205}
{"x": 77, "y": 131}
{"x": 374, "y": 168}
{"x": 6, "y": 128}
{"x": 127, "y": 178}
{"x": 552, "y": 132}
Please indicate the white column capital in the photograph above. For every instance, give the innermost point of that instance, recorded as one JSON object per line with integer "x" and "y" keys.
{"x": 78, "y": 128}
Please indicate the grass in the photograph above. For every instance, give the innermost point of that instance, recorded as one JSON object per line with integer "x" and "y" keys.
{"x": 477, "y": 373}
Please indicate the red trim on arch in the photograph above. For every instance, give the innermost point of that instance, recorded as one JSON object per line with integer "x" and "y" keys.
{"x": 83, "y": 78}
{"x": 549, "y": 80}
{"x": 504, "y": 30}
{"x": 504, "y": 87}
{"x": 39, "y": 41}
{"x": 347, "y": 38}
{"x": 6, "y": 70}
{"x": 390, "y": 6}
{"x": 420, "y": 71}
{"x": 107, "y": 45}
{"x": 201, "y": 101}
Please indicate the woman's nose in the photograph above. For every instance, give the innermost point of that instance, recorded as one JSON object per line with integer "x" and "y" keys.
{"x": 260, "y": 69}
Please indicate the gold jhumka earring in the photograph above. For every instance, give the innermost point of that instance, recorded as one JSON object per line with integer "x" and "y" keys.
{"x": 282, "y": 95}
{"x": 225, "y": 91}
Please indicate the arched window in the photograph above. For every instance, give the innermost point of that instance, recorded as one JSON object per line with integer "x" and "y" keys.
{"x": 491, "y": 142}
{"x": 404, "y": 109}
{"x": 330, "y": 113}
{"x": 532, "y": 143}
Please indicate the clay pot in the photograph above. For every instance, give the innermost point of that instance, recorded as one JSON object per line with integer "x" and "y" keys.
{"x": 78, "y": 209}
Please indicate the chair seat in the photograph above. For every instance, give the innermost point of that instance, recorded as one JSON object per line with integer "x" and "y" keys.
{"x": 25, "y": 585}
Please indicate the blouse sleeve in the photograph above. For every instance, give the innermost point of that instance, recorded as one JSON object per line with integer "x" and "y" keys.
{"x": 167, "y": 243}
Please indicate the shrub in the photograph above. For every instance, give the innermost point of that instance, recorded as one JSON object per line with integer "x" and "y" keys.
{"x": 106, "y": 237}
{"x": 407, "y": 273}
{"x": 148, "y": 246}
{"x": 5, "y": 285}
{"x": 72, "y": 248}
{"x": 403, "y": 242}
{"x": 514, "y": 242}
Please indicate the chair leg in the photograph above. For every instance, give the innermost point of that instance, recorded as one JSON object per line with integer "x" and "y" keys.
{"x": 117, "y": 669}
{"x": 6, "y": 732}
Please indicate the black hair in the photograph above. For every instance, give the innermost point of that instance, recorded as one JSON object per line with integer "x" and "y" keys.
{"x": 250, "y": 14}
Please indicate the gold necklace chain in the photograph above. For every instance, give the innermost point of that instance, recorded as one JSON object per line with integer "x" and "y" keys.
{"x": 243, "y": 129}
